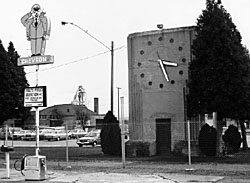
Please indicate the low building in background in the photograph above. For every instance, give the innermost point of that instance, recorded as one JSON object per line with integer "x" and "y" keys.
{"x": 74, "y": 116}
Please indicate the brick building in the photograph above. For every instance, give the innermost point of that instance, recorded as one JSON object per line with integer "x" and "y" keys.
{"x": 60, "y": 115}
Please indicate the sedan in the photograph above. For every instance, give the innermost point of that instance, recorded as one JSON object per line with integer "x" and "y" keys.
{"x": 92, "y": 138}
{"x": 77, "y": 133}
{"x": 29, "y": 135}
{"x": 56, "y": 135}
{"x": 17, "y": 135}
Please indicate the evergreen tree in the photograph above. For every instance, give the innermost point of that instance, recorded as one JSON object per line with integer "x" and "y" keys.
{"x": 20, "y": 83}
{"x": 111, "y": 135}
{"x": 207, "y": 140}
{"x": 12, "y": 84}
{"x": 219, "y": 72}
{"x": 6, "y": 99}
{"x": 232, "y": 139}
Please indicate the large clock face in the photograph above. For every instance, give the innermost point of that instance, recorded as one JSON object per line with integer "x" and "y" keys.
{"x": 162, "y": 63}
{"x": 162, "y": 57}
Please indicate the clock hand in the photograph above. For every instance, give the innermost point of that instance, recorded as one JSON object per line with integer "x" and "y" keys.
{"x": 170, "y": 64}
{"x": 163, "y": 62}
{"x": 163, "y": 70}
{"x": 167, "y": 63}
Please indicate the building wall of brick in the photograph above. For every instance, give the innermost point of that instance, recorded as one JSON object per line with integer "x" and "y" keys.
{"x": 61, "y": 114}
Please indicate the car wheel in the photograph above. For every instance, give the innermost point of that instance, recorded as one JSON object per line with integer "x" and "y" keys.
{"x": 94, "y": 144}
{"x": 80, "y": 145}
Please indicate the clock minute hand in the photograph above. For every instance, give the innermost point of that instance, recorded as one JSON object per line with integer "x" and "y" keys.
{"x": 163, "y": 70}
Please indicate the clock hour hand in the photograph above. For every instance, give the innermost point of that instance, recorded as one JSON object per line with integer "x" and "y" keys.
{"x": 170, "y": 64}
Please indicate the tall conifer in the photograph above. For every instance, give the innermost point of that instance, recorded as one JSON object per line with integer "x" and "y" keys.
{"x": 20, "y": 83}
{"x": 219, "y": 72}
{"x": 12, "y": 84}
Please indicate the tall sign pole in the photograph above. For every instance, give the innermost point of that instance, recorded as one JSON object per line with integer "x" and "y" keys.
{"x": 37, "y": 32}
{"x": 37, "y": 115}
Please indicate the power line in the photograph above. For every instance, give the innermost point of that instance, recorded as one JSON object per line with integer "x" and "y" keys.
{"x": 75, "y": 61}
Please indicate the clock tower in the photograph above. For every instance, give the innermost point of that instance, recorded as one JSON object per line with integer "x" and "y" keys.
{"x": 158, "y": 73}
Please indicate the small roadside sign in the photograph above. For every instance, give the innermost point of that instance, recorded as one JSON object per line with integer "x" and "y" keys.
{"x": 35, "y": 60}
{"x": 35, "y": 97}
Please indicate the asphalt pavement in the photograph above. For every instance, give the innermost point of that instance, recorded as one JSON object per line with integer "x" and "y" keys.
{"x": 68, "y": 175}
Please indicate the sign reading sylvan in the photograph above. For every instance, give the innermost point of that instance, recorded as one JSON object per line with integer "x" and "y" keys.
{"x": 36, "y": 60}
{"x": 35, "y": 97}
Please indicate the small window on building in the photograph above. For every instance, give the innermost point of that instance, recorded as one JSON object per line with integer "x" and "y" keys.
{"x": 67, "y": 110}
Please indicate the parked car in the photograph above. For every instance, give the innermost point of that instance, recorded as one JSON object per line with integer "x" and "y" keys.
{"x": 56, "y": 135}
{"x": 10, "y": 132}
{"x": 43, "y": 132}
{"x": 69, "y": 134}
{"x": 17, "y": 135}
{"x": 92, "y": 138}
{"x": 29, "y": 135}
{"x": 78, "y": 133}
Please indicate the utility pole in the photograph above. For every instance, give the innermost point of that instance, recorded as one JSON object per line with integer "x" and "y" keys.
{"x": 112, "y": 59}
{"x": 112, "y": 77}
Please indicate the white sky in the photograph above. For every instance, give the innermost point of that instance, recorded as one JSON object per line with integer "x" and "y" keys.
{"x": 107, "y": 20}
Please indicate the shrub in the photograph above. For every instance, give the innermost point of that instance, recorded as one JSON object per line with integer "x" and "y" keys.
{"x": 138, "y": 148}
{"x": 232, "y": 139}
{"x": 207, "y": 140}
{"x": 111, "y": 135}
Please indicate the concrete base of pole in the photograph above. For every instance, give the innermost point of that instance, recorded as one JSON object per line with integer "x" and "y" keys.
{"x": 7, "y": 157}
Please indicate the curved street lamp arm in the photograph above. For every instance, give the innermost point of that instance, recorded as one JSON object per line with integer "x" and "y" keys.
{"x": 64, "y": 23}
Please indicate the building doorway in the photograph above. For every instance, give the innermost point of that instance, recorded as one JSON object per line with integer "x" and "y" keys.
{"x": 163, "y": 135}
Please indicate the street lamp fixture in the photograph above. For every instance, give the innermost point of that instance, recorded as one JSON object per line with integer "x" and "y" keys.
{"x": 112, "y": 58}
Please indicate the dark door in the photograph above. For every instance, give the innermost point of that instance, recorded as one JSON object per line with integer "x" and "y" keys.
{"x": 163, "y": 135}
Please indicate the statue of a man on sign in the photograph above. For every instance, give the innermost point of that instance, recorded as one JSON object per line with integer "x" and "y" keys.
{"x": 37, "y": 29}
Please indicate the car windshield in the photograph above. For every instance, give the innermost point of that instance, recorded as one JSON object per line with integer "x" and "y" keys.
{"x": 50, "y": 132}
{"x": 22, "y": 132}
{"x": 91, "y": 134}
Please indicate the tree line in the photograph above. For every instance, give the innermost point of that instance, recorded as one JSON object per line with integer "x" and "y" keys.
{"x": 12, "y": 84}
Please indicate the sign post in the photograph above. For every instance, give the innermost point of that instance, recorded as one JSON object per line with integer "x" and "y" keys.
{"x": 37, "y": 32}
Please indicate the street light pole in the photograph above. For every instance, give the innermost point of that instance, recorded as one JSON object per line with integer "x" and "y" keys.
{"x": 118, "y": 89}
{"x": 112, "y": 59}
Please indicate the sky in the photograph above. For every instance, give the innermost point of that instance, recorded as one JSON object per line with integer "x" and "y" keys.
{"x": 81, "y": 60}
